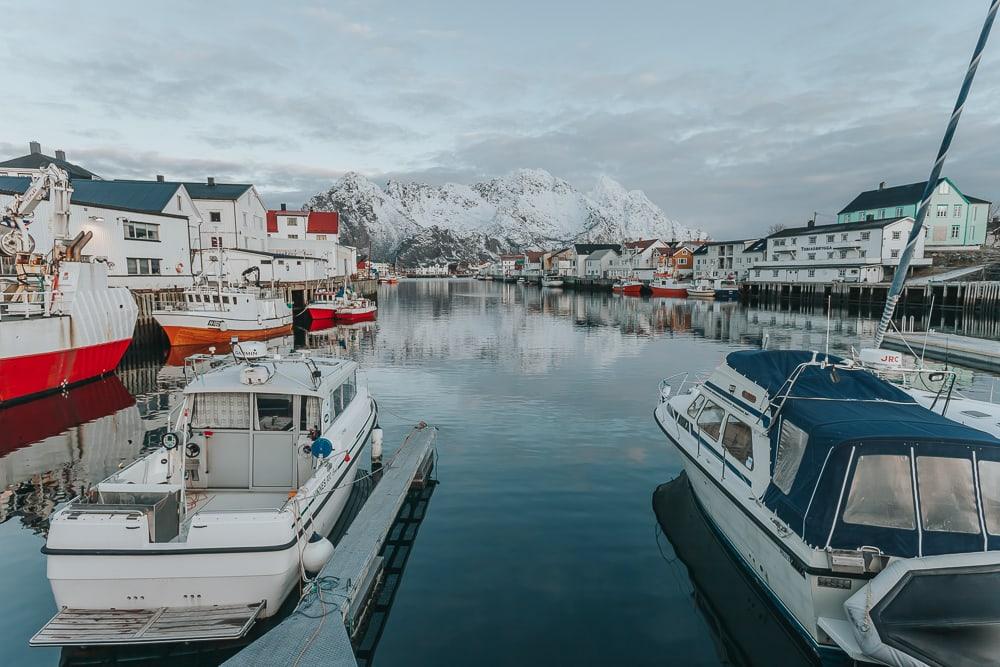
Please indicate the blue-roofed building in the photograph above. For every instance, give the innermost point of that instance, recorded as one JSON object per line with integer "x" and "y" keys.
{"x": 955, "y": 220}
{"x": 144, "y": 229}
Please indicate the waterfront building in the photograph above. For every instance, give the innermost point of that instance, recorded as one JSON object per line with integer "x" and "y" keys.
{"x": 232, "y": 214}
{"x": 35, "y": 159}
{"x": 599, "y": 263}
{"x": 234, "y": 263}
{"x": 865, "y": 252}
{"x": 581, "y": 251}
{"x": 561, "y": 262}
{"x": 533, "y": 262}
{"x": 955, "y": 220}
{"x": 727, "y": 259}
{"x": 639, "y": 259}
{"x": 311, "y": 234}
{"x": 510, "y": 264}
{"x": 142, "y": 229}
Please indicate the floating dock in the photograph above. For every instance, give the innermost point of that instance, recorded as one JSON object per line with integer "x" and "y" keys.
{"x": 320, "y": 630}
{"x": 978, "y": 353}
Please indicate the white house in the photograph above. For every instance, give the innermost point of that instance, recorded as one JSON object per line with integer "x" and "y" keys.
{"x": 533, "y": 262}
{"x": 866, "y": 252}
{"x": 143, "y": 229}
{"x": 232, "y": 214}
{"x": 724, "y": 259}
{"x": 599, "y": 262}
{"x": 279, "y": 267}
{"x": 309, "y": 233}
{"x": 640, "y": 259}
{"x": 581, "y": 251}
{"x": 510, "y": 264}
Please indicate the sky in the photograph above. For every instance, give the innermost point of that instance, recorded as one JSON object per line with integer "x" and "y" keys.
{"x": 731, "y": 116}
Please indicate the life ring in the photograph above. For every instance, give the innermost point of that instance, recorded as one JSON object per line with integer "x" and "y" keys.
{"x": 180, "y": 267}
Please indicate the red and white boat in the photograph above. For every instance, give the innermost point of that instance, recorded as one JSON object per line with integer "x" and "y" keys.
{"x": 628, "y": 286}
{"x": 323, "y": 306}
{"x": 388, "y": 280}
{"x": 357, "y": 310}
{"x": 666, "y": 285}
{"x": 60, "y": 322}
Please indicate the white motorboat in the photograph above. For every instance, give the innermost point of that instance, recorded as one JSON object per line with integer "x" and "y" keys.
{"x": 870, "y": 520}
{"x": 234, "y": 506}
{"x": 552, "y": 281}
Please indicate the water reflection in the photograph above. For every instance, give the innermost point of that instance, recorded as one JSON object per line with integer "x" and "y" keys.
{"x": 745, "y": 626}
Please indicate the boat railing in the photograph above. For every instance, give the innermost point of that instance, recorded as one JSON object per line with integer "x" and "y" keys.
{"x": 22, "y": 299}
{"x": 681, "y": 380}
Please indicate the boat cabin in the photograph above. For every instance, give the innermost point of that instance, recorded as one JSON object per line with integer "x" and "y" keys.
{"x": 849, "y": 461}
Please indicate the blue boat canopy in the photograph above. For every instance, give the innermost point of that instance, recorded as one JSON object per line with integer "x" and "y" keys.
{"x": 837, "y": 419}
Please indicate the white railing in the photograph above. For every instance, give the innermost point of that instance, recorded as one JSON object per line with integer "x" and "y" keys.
{"x": 27, "y": 299}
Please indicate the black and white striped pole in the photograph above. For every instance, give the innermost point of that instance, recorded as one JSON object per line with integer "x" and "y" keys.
{"x": 918, "y": 226}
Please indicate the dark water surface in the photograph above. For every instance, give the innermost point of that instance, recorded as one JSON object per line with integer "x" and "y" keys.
{"x": 540, "y": 545}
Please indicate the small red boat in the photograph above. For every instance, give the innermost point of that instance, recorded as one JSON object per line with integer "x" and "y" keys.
{"x": 667, "y": 286}
{"x": 627, "y": 286}
{"x": 360, "y": 310}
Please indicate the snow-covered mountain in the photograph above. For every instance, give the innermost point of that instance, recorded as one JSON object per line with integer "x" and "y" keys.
{"x": 529, "y": 208}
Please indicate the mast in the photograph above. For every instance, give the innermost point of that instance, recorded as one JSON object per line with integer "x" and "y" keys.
{"x": 918, "y": 226}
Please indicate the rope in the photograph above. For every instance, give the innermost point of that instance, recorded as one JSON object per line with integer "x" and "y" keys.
{"x": 918, "y": 226}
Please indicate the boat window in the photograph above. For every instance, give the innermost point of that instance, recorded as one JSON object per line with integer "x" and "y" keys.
{"x": 737, "y": 439}
{"x": 225, "y": 299}
{"x": 221, "y": 411}
{"x": 336, "y": 402}
{"x": 791, "y": 447}
{"x": 947, "y": 494}
{"x": 695, "y": 406}
{"x": 215, "y": 298}
{"x": 710, "y": 420}
{"x": 350, "y": 389}
{"x": 274, "y": 412}
{"x": 989, "y": 485}
{"x": 881, "y": 492}
{"x": 683, "y": 422}
{"x": 311, "y": 416}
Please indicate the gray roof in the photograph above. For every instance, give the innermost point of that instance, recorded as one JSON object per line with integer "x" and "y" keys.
{"x": 291, "y": 376}
{"x": 600, "y": 254}
{"x": 40, "y": 161}
{"x": 588, "y": 248}
{"x": 835, "y": 227}
{"x": 136, "y": 196}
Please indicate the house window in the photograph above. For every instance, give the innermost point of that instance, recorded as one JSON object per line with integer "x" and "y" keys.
{"x": 894, "y": 253}
{"x": 843, "y": 254}
{"x": 812, "y": 239}
{"x": 321, "y": 237}
{"x": 292, "y": 222}
{"x": 216, "y": 241}
{"x": 774, "y": 273}
{"x": 141, "y": 231}
{"x": 863, "y": 253}
{"x": 957, "y": 211}
{"x": 896, "y": 235}
{"x": 293, "y": 236}
{"x": 829, "y": 255}
{"x": 955, "y": 229}
{"x": 843, "y": 237}
{"x": 944, "y": 188}
{"x": 942, "y": 210}
{"x": 794, "y": 240}
{"x": 215, "y": 216}
{"x": 842, "y": 272}
{"x": 899, "y": 211}
{"x": 829, "y": 238}
{"x": 865, "y": 236}
{"x": 812, "y": 273}
{"x": 143, "y": 266}
{"x": 812, "y": 255}
{"x": 881, "y": 213}
{"x": 180, "y": 205}
{"x": 774, "y": 258}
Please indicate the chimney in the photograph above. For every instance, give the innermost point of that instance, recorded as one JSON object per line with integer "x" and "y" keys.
{"x": 159, "y": 178}
{"x": 61, "y": 155}
{"x": 211, "y": 180}
{"x": 34, "y": 147}
{"x": 881, "y": 186}
{"x": 810, "y": 223}
{"x": 284, "y": 208}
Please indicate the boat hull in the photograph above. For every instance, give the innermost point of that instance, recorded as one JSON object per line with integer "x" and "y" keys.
{"x": 35, "y": 374}
{"x": 727, "y": 295}
{"x": 631, "y": 290}
{"x": 355, "y": 315}
{"x": 180, "y": 335}
{"x": 700, "y": 294}
{"x": 677, "y": 292}
{"x": 321, "y": 312}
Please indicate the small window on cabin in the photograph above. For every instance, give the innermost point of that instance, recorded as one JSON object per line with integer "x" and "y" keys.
{"x": 274, "y": 412}
{"x": 225, "y": 299}
{"x": 947, "y": 494}
{"x": 222, "y": 410}
{"x": 336, "y": 402}
{"x": 791, "y": 447}
{"x": 989, "y": 485}
{"x": 881, "y": 492}
{"x": 311, "y": 414}
{"x": 737, "y": 439}
{"x": 215, "y": 298}
{"x": 695, "y": 406}
{"x": 710, "y": 420}
{"x": 350, "y": 389}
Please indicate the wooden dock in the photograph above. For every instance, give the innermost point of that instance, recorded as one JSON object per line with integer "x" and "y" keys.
{"x": 330, "y": 614}
{"x": 964, "y": 350}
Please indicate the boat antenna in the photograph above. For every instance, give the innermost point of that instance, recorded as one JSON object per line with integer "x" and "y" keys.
{"x": 918, "y": 226}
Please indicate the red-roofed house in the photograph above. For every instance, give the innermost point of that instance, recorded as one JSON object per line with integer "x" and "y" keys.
{"x": 310, "y": 233}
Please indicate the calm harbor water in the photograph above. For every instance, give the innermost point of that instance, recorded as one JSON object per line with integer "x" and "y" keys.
{"x": 540, "y": 545}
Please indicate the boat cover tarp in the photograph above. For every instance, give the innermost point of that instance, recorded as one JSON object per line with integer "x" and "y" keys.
{"x": 930, "y": 611}
{"x": 849, "y": 409}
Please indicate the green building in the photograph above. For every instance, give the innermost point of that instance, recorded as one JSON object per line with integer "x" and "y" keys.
{"x": 955, "y": 221}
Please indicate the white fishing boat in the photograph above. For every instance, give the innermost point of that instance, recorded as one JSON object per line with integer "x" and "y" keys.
{"x": 229, "y": 513}
{"x": 552, "y": 281}
{"x": 702, "y": 289}
{"x": 220, "y": 312}
{"x": 871, "y": 521}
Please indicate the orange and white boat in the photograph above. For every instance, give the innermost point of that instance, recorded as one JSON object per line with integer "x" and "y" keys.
{"x": 628, "y": 286}
{"x": 217, "y": 314}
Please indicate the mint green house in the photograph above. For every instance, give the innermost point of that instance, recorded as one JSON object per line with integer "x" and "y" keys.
{"x": 955, "y": 221}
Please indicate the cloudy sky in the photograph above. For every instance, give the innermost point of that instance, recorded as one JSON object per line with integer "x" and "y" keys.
{"x": 729, "y": 115}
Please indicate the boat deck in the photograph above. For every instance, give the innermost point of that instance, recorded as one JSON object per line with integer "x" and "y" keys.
{"x": 978, "y": 353}
{"x": 105, "y": 627}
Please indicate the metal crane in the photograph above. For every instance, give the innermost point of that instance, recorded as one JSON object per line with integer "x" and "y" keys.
{"x": 51, "y": 182}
